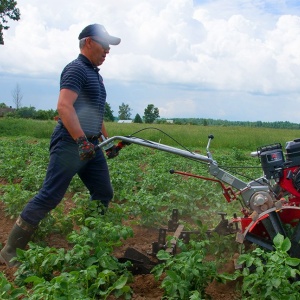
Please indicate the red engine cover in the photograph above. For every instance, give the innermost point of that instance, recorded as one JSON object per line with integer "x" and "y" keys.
{"x": 286, "y": 183}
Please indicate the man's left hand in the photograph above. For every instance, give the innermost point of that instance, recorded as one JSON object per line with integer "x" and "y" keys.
{"x": 112, "y": 152}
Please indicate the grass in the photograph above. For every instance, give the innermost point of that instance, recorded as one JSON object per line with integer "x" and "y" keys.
{"x": 26, "y": 127}
{"x": 192, "y": 136}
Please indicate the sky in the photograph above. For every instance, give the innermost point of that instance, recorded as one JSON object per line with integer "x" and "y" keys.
{"x": 236, "y": 60}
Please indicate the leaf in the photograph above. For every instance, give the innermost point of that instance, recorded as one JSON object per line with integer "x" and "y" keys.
{"x": 278, "y": 240}
{"x": 223, "y": 277}
{"x": 172, "y": 275}
{"x": 276, "y": 282}
{"x": 286, "y": 245}
{"x": 195, "y": 296}
{"x": 293, "y": 261}
{"x": 7, "y": 287}
{"x": 120, "y": 282}
{"x": 163, "y": 255}
{"x": 34, "y": 279}
{"x": 281, "y": 243}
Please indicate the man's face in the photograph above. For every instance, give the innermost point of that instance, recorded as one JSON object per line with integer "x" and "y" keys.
{"x": 98, "y": 50}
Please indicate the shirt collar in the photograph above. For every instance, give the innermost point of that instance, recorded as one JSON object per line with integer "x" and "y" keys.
{"x": 87, "y": 62}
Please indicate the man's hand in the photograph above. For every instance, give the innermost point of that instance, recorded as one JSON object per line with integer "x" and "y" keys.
{"x": 85, "y": 148}
{"x": 112, "y": 152}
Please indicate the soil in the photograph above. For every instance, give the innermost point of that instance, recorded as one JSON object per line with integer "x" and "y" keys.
{"x": 144, "y": 286}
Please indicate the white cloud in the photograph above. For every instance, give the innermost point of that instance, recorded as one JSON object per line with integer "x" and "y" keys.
{"x": 177, "y": 50}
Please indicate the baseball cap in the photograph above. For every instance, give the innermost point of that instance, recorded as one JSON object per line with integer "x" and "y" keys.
{"x": 99, "y": 31}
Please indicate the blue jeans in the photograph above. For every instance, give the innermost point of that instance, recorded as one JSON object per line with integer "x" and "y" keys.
{"x": 63, "y": 165}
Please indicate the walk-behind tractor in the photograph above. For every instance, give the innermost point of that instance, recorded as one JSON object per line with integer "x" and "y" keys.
{"x": 270, "y": 204}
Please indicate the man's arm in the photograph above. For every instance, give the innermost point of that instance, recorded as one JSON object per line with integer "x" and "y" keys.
{"x": 68, "y": 114}
{"x": 70, "y": 120}
{"x": 104, "y": 131}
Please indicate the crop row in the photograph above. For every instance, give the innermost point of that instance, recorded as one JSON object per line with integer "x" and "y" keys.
{"x": 144, "y": 191}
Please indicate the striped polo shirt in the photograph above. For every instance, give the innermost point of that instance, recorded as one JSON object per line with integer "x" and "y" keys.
{"x": 84, "y": 79}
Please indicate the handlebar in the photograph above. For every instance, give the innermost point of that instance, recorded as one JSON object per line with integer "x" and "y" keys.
{"x": 255, "y": 154}
{"x": 246, "y": 189}
{"x": 158, "y": 146}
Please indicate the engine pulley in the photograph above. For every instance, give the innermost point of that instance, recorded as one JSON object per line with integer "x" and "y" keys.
{"x": 261, "y": 201}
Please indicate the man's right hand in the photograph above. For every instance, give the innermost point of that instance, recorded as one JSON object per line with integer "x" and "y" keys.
{"x": 86, "y": 149}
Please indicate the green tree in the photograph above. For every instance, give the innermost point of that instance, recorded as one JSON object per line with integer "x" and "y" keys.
{"x": 151, "y": 113}
{"x": 42, "y": 115}
{"x": 124, "y": 112}
{"x": 108, "y": 113}
{"x": 3, "y": 105}
{"x": 27, "y": 112}
{"x": 137, "y": 119}
{"x": 9, "y": 10}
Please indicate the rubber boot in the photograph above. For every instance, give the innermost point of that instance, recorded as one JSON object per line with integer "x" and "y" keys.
{"x": 18, "y": 238}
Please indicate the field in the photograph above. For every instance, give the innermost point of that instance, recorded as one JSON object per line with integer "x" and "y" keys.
{"x": 73, "y": 254}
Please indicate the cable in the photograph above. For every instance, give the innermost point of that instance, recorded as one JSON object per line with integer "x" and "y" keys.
{"x": 224, "y": 167}
{"x": 164, "y": 134}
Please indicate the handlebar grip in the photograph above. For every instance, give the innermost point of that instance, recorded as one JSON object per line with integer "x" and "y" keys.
{"x": 255, "y": 153}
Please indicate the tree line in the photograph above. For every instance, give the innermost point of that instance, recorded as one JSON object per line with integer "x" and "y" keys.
{"x": 151, "y": 113}
{"x": 219, "y": 122}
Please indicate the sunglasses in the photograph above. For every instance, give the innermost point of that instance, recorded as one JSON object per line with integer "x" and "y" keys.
{"x": 104, "y": 45}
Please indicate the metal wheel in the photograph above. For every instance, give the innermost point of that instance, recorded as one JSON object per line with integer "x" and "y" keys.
{"x": 271, "y": 222}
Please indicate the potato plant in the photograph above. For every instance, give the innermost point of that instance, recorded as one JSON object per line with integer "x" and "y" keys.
{"x": 145, "y": 192}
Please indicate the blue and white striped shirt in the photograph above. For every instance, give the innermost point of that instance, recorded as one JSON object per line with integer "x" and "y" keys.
{"x": 84, "y": 79}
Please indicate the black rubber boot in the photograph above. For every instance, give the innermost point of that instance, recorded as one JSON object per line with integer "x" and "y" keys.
{"x": 18, "y": 238}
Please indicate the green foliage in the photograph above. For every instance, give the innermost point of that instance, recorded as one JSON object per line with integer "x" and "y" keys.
{"x": 87, "y": 271}
{"x": 84, "y": 284}
{"x": 32, "y": 113}
{"x": 10, "y": 127}
{"x": 151, "y": 113}
{"x": 124, "y": 112}
{"x": 81, "y": 276}
{"x": 108, "y": 113}
{"x": 222, "y": 247}
{"x": 187, "y": 273}
{"x": 9, "y": 291}
{"x": 193, "y": 137}
{"x": 8, "y": 9}
{"x": 15, "y": 199}
{"x": 137, "y": 119}
{"x": 55, "y": 222}
{"x": 271, "y": 275}
{"x": 226, "y": 123}
{"x": 144, "y": 189}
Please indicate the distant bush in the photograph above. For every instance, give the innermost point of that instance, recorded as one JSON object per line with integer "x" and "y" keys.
{"x": 31, "y": 113}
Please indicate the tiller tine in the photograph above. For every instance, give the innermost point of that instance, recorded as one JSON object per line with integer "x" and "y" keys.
{"x": 141, "y": 264}
{"x": 225, "y": 227}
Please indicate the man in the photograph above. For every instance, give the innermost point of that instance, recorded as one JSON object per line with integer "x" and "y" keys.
{"x": 81, "y": 104}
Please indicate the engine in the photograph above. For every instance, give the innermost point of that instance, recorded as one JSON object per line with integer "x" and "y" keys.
{"x": 283, "y": 168}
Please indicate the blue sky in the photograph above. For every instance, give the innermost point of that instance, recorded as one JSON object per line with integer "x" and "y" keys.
{"x": 223, "y": 59}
